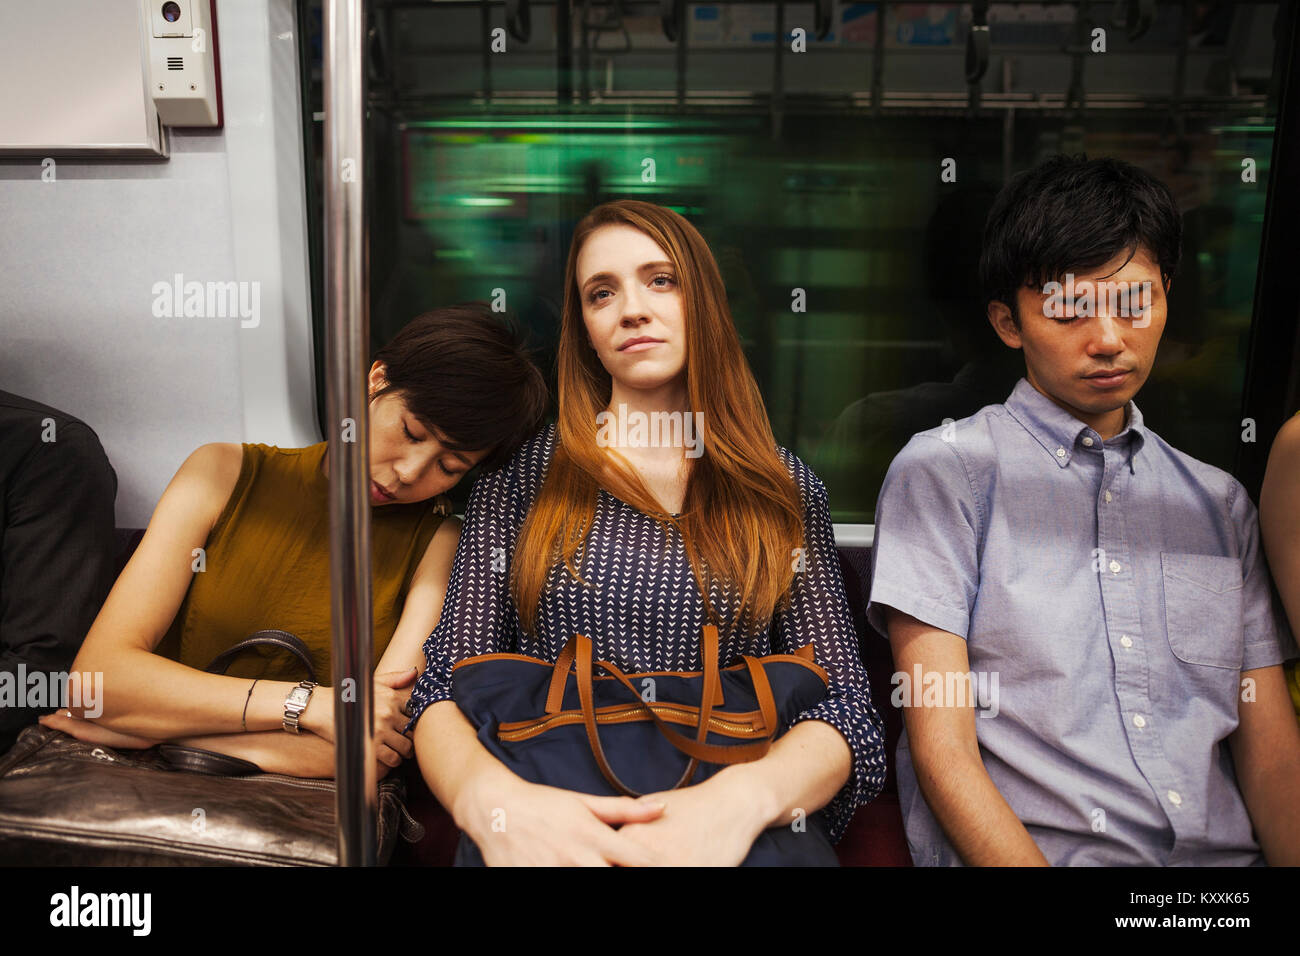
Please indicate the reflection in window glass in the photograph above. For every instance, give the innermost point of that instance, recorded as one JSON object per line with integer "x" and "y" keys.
{"x": 850, "y": 258}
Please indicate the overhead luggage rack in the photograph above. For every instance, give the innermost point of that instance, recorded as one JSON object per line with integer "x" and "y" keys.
{"x": 970, "y": 60}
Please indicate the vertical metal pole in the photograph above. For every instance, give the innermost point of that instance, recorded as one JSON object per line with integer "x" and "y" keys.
{"x": 878, "y": 64}
{"x": 778, "y": 80}
{"x": 485, "y": 29}
{"x": 347, "y": 311}
{"x": 682, "y": 26}
{"x": 584, "y": 52}
{"x": 1008, "y": 122}
{"x": 563, "y": 54}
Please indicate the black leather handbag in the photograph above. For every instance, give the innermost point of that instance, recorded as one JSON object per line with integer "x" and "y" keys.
{"x": 67, "y": 802}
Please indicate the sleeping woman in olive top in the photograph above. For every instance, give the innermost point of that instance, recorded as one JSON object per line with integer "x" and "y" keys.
{"x": 452, "y": 390}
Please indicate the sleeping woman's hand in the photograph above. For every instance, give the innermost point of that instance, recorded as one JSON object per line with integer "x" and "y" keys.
{"x": 389, "y": 696}
{"x": 90, "y": 732}
{"x": 391, "y": 693}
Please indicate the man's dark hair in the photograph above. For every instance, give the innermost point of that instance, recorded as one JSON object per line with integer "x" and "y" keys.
{"x": 465, "y": 371}
{"x": 1074, "y": 214}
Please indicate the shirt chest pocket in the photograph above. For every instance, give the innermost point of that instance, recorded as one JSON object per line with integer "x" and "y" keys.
{"x": 1203, "y": 608}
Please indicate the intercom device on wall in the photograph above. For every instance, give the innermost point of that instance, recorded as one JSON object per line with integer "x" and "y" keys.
{"x": 182, "y": 42}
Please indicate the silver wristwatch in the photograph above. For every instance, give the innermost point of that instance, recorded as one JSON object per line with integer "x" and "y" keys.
{"x": 296, "y": 703}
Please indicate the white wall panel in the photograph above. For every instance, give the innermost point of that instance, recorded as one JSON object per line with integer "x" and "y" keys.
{"x": 80, "y": 256}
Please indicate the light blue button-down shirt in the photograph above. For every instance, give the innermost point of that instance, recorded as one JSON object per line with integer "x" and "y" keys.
{"x": 1112, "y": 593}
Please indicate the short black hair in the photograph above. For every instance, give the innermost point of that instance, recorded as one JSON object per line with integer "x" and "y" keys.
{"x": 1073, "y": 214}
{"x": 464, "y": 370}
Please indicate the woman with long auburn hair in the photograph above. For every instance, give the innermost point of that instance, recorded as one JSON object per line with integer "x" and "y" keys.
{"x": 659, "y": 502}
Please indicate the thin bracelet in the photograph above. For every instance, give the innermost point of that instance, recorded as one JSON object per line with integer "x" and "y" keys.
{"x": 243, "y": 720}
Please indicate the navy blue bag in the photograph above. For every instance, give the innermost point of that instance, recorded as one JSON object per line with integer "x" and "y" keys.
{"x": 586, "y": 726}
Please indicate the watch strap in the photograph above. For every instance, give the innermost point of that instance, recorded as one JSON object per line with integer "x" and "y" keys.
{"x": 293, "y": 710}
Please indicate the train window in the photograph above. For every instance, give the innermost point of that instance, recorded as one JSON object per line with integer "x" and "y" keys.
{"x": 839, "y": 160}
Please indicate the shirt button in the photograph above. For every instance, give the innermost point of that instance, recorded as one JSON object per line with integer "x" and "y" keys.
{"x": 1126, "y": 641}
{"x": 1087, "y": 442}
{"x": 1175, "y": 798}
{"x": 1060, "y": 453}
{"x": 1108, "y": 496}
{"x": 1114, "y": 567}
{"x": 1139, "y": 721}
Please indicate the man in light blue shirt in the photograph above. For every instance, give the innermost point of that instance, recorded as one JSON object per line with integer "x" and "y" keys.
{"x": 1103, "y": 594}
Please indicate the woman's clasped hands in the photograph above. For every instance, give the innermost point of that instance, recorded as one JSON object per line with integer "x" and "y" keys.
{"x": 517, "y": 823}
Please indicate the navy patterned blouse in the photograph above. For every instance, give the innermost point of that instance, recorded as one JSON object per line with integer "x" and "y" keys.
{"x": 643, "y": 610}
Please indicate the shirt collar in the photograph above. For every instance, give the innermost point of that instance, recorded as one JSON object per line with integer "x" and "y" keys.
{"x": 1061, "y": 434}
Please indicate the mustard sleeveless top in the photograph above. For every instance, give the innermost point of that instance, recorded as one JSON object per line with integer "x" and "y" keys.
{"x": 267, "y": 566}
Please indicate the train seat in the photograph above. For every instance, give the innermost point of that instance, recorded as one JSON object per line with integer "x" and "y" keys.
{"x": 875, "y": 836}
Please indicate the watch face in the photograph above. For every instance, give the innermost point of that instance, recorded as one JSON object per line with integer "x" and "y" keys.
{"x": 299, "y": 695}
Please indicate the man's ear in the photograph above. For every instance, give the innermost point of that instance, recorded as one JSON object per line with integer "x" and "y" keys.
{"x": 1004, "y": 324}
{"x": 377, "y": 379}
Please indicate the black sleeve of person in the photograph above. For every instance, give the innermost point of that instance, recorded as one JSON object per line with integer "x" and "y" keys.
{"x": 56, "y": 555}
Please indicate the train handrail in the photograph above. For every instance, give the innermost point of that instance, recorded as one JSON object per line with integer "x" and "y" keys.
{"x": 347, "y": 316}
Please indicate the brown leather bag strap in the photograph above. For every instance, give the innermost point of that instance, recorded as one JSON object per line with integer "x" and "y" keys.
{"x": 710, "y": 753}
{"x": 763, "y": 691}
{"x": 585, "y": 698}
{"x": 559, "y": 675}
{"x": 712, "y": 679}
{"x": 696, "y": 749}
{"x": 563, "y": 663}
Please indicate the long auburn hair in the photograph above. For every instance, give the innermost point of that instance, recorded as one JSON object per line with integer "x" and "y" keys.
{"x": 742, "y": 516}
